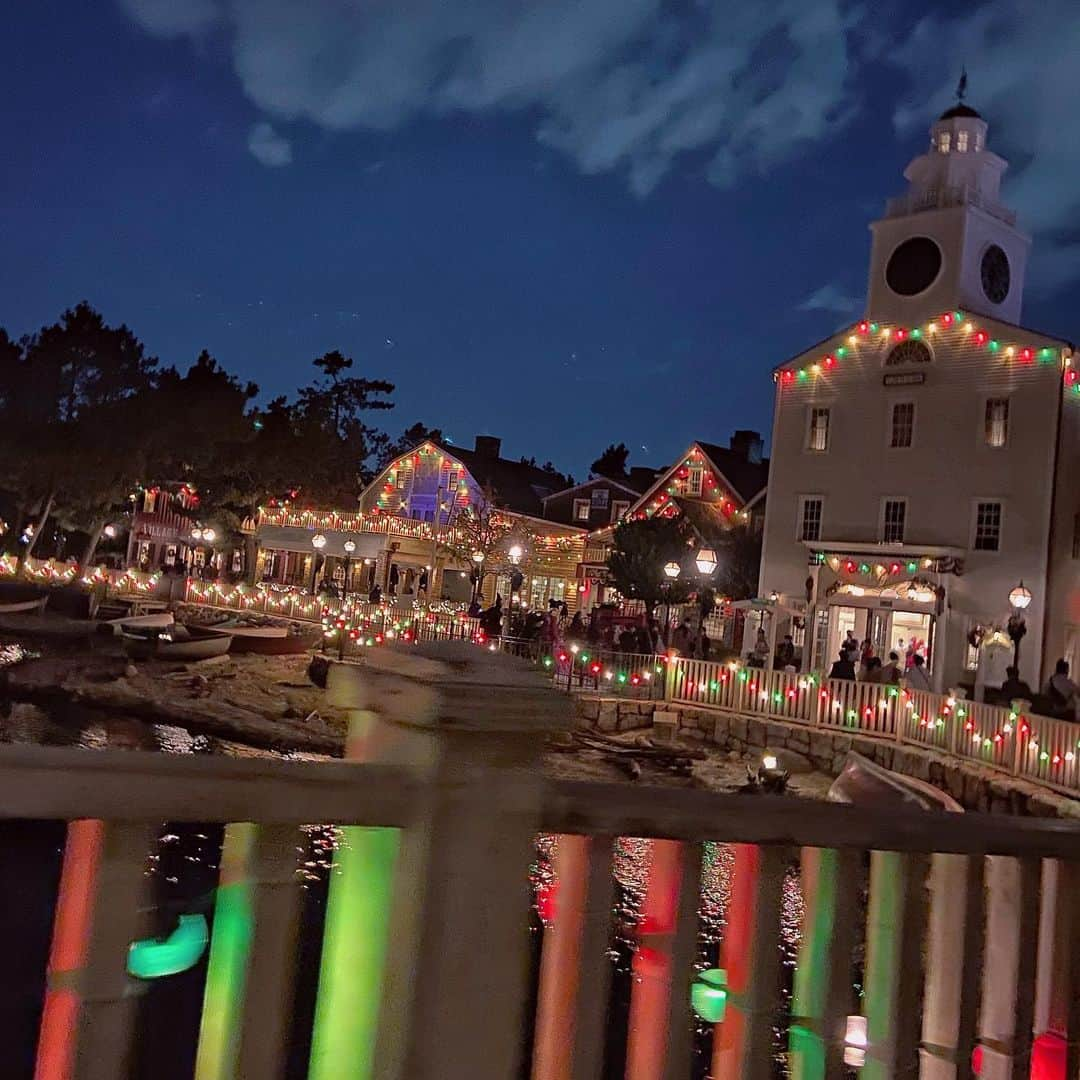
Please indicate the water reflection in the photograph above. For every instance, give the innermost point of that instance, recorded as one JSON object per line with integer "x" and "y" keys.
{"x": 631, "y": 862}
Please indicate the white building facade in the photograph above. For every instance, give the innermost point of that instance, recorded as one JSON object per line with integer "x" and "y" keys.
{"x": 926, "y": 460}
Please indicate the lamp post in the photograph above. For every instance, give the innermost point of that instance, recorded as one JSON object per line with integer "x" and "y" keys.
{"x": 515, "y": 555}
{"x": 1019, "y": 599}
{"x": 478, "y": 558}
{"x": 671, "y": 571}
{"x": 706, "y": 563}
{"x": 350, "y": 547}
{"x": 318, "y": 542}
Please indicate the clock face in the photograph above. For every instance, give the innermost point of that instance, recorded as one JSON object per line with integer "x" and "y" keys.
{"x": 995, "y": 274}
{"x": 913, "y": 266}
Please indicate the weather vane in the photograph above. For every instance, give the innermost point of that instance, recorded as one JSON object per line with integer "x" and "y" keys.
{"x": 961, "y": 86}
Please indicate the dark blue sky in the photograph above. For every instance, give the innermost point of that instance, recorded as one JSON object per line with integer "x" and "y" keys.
{"x": 567, "y": 224}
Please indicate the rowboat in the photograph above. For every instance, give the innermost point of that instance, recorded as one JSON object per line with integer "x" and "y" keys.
{"x": 264, "y": 640}
{"x": 176, "y": 642}
{"x": 138, "y": 623}
{"x": 20, "y": 607}
{"x": 863, "y": 783}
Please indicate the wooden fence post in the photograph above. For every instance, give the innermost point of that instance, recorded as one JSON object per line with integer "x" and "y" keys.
{"x": 823, "y": 992}
{"x": 742, "y": 1045}
{"x": 894, "y": 935}
{"x": 472, "y": 725}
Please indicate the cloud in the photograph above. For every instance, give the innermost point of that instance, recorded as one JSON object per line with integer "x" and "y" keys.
{"x": 624, "y": 86}
{"x": 831, "y": 298}
{"x": 267, "y": 146}
{"x": 1019, "y": 58}
{"x": 170, "y": 18}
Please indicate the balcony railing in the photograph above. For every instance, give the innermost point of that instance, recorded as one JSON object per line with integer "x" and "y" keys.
{"x": 943, "y": 198}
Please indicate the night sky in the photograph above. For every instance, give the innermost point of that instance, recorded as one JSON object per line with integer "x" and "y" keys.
{"x": 565, "y": 222}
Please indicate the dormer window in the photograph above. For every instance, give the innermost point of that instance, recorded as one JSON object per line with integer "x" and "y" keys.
{"x": 962, "y": 142}
{"x": 943, "y": 142}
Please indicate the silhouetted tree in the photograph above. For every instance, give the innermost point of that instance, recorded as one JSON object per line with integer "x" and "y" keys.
{"x": 612, "y": 462}
{"x": 640, "y": 550}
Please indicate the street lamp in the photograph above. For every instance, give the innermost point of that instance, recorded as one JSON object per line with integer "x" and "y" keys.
{"x": 515, "y": 554}
{"x": 318, "y": 542}
{"x": 706, "y": 561}
{"x": 478, "y": 558}
{"x": 350, "y": 547}
{"x": 671, "y": 571}
{"x": 1019, "y": 599}
{"x": 196, "y": 534}
{"x": 209, "y": 535}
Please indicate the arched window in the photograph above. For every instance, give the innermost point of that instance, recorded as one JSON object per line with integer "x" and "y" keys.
{"x": 908, "y": 353}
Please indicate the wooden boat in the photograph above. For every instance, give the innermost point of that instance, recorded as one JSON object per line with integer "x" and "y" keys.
{"x": 23, "y": 607}
{"x": 863, "y": 783}
{"x": 265, "y": 640}
{"x": 137, "y": 623}
{"x": 176, "y": 642}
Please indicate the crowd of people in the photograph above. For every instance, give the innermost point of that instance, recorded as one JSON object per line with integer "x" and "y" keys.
{"x": 859, "y": 660}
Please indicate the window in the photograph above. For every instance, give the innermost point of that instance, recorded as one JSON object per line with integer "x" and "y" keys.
{"x": 978, "y": 141}
{"x": 997, "y": 421}
{"x": 818, "y": 432}
{"x": 943, "y": 142}
{"x": 903, "y": 424}
{"x": 599, "y": 498}
{"x": 987, "y": 526}
{"x": 893, "y": 519}
{"x": 693, "y": 480}
{"x": 581, "y": 509}
{"x": 908, "y": 352}
{"x": 962, "y": 141}
{"x": 809, "y": 524}
{"x": 618, "y": 509}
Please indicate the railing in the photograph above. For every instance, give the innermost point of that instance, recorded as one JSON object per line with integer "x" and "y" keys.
{"x": 943, "y": 198}
{"x": 424, "y": 951}
{"x": 1038, "y": 748}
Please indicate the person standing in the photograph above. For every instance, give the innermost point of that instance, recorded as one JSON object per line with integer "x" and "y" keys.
{"x": 918, "y": 678}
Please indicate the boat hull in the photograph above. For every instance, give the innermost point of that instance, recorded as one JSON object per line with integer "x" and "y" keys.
{"x": 198, "y": 646}
{"x": 863, "y": 783}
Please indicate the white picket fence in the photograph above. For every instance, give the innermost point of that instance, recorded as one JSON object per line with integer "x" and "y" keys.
{"x": 1037, "y": 748}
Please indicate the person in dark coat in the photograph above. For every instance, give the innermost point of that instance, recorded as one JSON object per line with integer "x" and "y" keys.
{"x": 844, "y": 668}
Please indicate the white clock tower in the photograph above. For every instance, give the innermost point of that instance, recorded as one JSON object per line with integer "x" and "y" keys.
{"x": 948, "y": 242}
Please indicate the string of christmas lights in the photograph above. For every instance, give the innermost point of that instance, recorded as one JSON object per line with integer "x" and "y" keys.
{"x": 955, "y": 322}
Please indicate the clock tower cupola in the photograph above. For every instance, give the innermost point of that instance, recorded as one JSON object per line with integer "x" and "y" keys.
{"x": 948, "y": 242}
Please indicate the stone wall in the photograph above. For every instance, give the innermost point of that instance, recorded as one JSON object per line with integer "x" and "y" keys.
{"x": 975, "y": 788}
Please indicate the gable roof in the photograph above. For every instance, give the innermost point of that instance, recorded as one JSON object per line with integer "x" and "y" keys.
{"x": 748, "y": 478}
{"x": 829, "y": 353}
{"x": 514, "y": 485}
{"x": 590, "y": 483}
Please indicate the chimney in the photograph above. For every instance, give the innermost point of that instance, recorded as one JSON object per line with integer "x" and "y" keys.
{"x": 488, "y": 446}
{"x": 748, "y": 445}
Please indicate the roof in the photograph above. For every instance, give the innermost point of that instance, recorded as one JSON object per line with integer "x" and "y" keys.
{"x": 746, "y": 477}
{"x": 515, "y": 485}
{"x": 590, "y": 483}
{"x": 960, "y": 110}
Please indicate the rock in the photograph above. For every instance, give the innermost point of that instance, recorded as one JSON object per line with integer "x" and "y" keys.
{"x": 291, "y": 712}
{"x": 734, "y": 755}
{"x": 130, "y": 671}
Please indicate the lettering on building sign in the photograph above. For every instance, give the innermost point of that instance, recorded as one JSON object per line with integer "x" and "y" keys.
{"x": 907, "y": 378}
